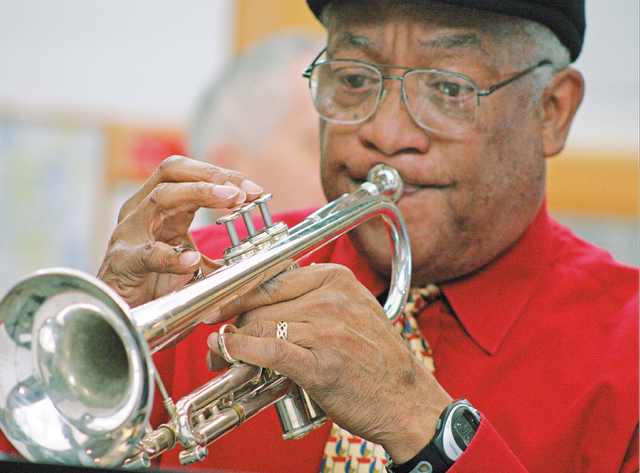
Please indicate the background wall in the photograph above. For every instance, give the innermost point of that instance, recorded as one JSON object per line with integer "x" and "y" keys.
{"x": 94, "y": 93}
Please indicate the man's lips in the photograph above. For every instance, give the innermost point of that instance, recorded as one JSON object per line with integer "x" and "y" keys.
{"x": 410, "y": 190}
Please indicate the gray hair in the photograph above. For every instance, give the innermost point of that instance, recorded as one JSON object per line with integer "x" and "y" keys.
{"x": 250, "y": 99}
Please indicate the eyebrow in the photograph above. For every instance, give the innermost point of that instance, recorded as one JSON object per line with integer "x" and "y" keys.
{"x": 456, "y": 40}
{"x": 447, "y": 41}
{"x": 347, "y": 39}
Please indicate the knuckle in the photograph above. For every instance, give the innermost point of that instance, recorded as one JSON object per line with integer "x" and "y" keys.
{"x": 169, "y": 163}
{"x": 280, "y": 354}
{"x": 155, "y": 197}
{"x": 337, "y": 271}
{"x": 233, "y": 176}
{"x": 269, "y": 290}
{"x": 259, "y": 328}
{"x": 147, "y": 254}
{"x": 201, "y": 190}
{"x": 213, "y": 173}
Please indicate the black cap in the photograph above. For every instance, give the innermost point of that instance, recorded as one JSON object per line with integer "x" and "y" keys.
{"x": 564, "y": 17}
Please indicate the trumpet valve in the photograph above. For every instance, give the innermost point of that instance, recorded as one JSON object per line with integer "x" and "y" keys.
{"x": 264, "y": 210}
{"x": 245, "y": 211}
{"x": 227, "y": 221}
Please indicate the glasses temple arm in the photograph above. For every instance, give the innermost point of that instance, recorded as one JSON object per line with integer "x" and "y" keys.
{"x": 493, "y": 88}
{"x": 307, "y": 72}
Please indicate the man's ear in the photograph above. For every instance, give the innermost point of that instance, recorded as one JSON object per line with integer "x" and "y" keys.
{"x": 560, "y": 102}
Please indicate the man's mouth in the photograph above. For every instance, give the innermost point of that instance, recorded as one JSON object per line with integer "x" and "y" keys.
{"x": 410, "y": 190}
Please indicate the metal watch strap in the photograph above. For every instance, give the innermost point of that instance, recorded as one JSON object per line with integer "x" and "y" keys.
{"x": 426, "y": 461}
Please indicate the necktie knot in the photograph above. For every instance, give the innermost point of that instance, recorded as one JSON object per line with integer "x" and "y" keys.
{"x": 421, "y": 297}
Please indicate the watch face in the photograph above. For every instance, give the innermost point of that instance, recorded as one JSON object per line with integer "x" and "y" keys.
{"x": 464, "y": 425}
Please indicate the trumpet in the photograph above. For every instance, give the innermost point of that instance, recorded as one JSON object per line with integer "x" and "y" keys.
{"x": 76, "y": 374}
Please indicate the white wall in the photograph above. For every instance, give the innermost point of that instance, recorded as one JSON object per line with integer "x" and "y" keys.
{"x": 146, "y": 59}
{"x": 609, "y": 61}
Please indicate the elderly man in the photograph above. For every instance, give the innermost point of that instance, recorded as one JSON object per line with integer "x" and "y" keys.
{"x": 535, "y": 328}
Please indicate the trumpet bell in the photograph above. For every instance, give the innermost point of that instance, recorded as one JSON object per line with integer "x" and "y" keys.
{"x": 75, "y": 384}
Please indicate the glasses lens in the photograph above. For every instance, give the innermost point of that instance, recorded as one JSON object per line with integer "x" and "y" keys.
{"x": 441, "y": 102}
{"x": 345, "y": 91}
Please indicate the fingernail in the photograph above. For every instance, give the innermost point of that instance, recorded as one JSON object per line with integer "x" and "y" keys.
{"x": 189, "y": 258}
{"x": 225, "y": 192}
{"x": 251, "y": 187}
{"x": 213, "y": 318}
{"x": 212, "y": 341}
{"x": 241, "y": 198}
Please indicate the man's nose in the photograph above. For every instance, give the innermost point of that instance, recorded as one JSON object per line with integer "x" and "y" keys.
{"x": 390, "y": 128}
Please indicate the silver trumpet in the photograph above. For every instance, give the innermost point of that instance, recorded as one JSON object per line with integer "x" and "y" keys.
{"x": 76, "y": 374}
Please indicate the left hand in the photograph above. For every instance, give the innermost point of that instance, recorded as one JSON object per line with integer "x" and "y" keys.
{"x": 343, "y": 350}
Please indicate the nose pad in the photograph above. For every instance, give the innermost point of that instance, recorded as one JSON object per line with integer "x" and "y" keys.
{"x": 391, "y": 128}
{"x": 385, "y": 96}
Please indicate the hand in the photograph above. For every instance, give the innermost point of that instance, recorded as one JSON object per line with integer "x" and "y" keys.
{"x": 141, "y": 262}
{"x": 343, "y": 350}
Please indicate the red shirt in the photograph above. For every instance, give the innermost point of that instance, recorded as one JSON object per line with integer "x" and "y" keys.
{"x": 544, "y": 342}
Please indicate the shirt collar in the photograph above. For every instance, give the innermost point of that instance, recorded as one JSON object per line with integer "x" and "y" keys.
{"x": 489, "y": 302}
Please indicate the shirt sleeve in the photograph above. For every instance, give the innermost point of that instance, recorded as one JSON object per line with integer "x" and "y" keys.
{"x": 487, "y": 452}
{"x": 632, "y": 458}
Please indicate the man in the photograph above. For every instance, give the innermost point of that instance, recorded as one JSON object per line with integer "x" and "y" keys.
{"x": 537, "y": 329}
{"x": 256, "y": 118}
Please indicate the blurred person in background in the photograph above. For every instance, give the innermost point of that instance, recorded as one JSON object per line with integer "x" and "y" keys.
{"x": 256, "y": 118}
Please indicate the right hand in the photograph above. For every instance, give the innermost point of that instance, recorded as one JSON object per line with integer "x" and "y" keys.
{"x": 141, "y": 263}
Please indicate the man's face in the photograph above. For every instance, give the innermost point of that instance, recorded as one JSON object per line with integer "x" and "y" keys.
{"x": 468, "y": 197}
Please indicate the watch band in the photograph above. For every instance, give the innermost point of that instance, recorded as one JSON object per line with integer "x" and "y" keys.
{"x": 426, "y": 461}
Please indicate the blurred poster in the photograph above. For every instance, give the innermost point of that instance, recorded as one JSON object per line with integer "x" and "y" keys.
{"x": 50, "y": 190}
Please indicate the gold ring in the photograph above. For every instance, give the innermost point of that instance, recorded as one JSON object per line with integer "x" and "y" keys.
{"x": 281, "y": 330}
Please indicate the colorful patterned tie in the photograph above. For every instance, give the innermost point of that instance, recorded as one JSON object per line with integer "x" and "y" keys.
{"x": 345, "y": 453}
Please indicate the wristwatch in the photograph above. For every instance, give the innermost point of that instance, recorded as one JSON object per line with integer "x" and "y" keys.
{"x": 456, "y": 427}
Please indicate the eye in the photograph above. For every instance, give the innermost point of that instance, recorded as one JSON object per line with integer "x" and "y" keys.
{"x": 354, "y": 81}
{"x": 356, "y": 78}
{"x": 450, "y": 89}
{"x": 453, "y": 90}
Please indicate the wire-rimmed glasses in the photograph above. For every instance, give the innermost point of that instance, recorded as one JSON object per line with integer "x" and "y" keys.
{"x": 348, "y": 92}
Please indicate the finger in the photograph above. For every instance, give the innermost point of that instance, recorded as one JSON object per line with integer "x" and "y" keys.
{"x": 159, "y": 257}
{"x": 190, "y": 196}
{"x": 215, "y": 362}
{"x": 182, "y": 169}
{"x": 280, "y": 355}
{"x": 167, "y": 212}
{"x": 177, "y": 169}
{"x": 287, "y": 286}
{"x": 266, "y": 328}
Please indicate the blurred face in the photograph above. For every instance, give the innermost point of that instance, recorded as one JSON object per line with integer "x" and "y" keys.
{"x": 287, "y": 163}
{"x": 470, "y": 196}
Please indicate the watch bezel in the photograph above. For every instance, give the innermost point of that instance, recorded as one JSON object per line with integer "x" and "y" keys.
{"x": 447, "y": 440}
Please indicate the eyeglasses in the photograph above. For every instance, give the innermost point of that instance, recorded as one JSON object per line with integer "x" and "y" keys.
{"x": 348, "y": 91}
